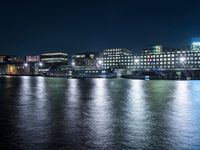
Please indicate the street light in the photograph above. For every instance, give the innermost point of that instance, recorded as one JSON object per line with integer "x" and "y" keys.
{"x": 41, "y": 64}
{"x": 25, "y": 64}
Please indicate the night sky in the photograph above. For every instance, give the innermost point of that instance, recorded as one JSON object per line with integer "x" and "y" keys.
{"x": 35, "y": 26}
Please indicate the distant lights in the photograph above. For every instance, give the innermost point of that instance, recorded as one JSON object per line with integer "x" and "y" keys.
{"x": 137, "y": 61}
{"x": 100, "y": 62}
{"x": 196, "y": 43}
{"x": 41, "y": 64}
{"x": 73, "y": 63}
{"x": 182, "y": 59}
{"x": 25, "y": 64}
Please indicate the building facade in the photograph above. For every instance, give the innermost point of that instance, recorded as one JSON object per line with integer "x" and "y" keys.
{"x": 84, "y": 60}
{"x": 55, "y": 58}
{"x": 32, "y": 59}
{"x": 118, "y": 58}
{"x": 179, "y": 58}
{"x": 10, "y": 59}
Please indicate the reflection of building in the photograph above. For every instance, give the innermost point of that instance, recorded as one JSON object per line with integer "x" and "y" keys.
{"x": 116, "y": 58}
{"x": 84, "y": 60}
{"x": 195, "y": 44}
{"x": 32, "y": 58}
{"x": 55, "y": 58}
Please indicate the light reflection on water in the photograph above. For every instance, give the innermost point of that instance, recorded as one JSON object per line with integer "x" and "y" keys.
{"x": 58, "y": 113}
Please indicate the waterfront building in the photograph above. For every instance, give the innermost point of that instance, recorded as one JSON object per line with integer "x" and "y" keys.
{"x": 10, "y": 59}
{"x": 157, "y": 58}
{"x": 11, "y": 65}
{"x": 84, "y": 60}
{"x": 179, "y": 58}
{"x": 55, "y": 58}
{"x": 116, "y": 58}
{"x": 34, "y": 59}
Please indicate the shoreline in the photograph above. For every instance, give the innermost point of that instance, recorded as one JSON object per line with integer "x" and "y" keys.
{"x": 103, "y": 77}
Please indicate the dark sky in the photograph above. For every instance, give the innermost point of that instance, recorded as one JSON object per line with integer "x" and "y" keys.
{"x": 36, "y": 26}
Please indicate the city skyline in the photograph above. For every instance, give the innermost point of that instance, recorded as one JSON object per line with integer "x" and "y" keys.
{"x": 32, "y": 27}
{"x": 80, "y": 51}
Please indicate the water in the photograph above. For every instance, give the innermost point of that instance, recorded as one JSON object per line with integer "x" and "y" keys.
{"x": 57, "y": 113}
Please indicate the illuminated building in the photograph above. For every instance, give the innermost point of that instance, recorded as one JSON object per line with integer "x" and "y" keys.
{"x": 10, "y": 59}
{"x": 32, "y": 58}
{"x": 11, "y": 69}
{"x": 119, "y": 58}
{"x": 169, "y": 60}
{"x": 84, "y": 60}
{"x": 55, "y": 58}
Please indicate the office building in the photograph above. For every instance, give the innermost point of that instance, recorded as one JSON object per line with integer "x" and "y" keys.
{"x": 32, "y": 59}
{"x": 84, "y": 60}
{"x": 55, "y": 58}
{"x": 10, "y": 59}
{"x": 117, "y": 58}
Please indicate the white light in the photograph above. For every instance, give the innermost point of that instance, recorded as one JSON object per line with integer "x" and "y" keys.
{"x": 26, "y": 65}
{"x": 100, "y": 62}
{"x": 136, "y": 61}
{"x": 196, "y": 43}
{"x": 73, "y": 63}
{"x": 40, "y": 64}
{"x": 182, "y": 59}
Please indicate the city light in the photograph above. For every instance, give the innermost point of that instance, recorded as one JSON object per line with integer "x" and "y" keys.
{"x": 40, "y": 64}
{"x": 26, "y": 65}
{"x": 182, "y": 59}
{"x": 100, "y": 62}
{"x": 137, "y": 61}
{"x": 73, "y": 63}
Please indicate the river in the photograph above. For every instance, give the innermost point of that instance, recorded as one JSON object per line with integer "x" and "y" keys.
{"x": 69, "y": 114}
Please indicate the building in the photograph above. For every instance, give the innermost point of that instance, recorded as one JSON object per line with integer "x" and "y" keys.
{"x": 32, "y": 59}
{"x": 56, "y": 58}
{"x": 117, "y": 58}
{"x": 195, "y": 44}
{"x": 84, "y": 60}
{"x": 11, "y": 65}
{"x": 10, "y": 59}
{"x": 180, "y": 58}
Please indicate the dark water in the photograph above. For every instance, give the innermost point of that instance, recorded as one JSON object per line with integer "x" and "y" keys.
{"x": 55, "y": 113}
